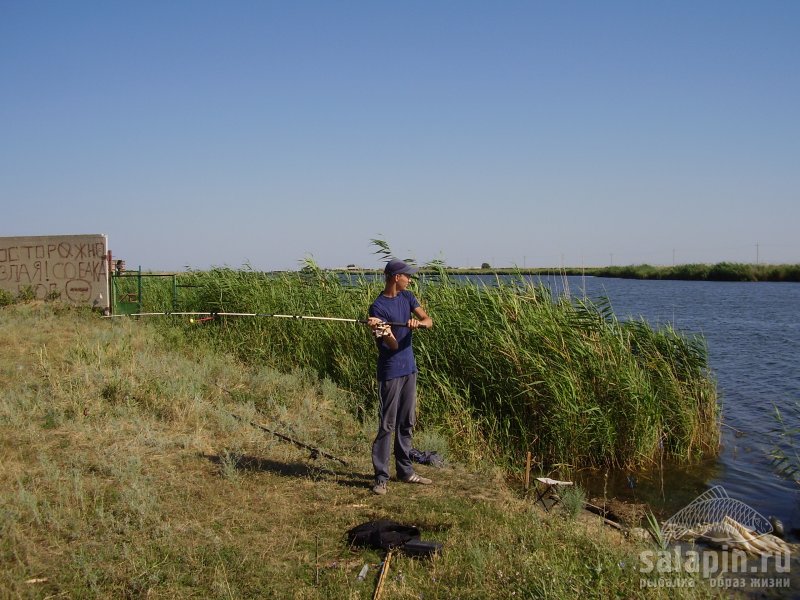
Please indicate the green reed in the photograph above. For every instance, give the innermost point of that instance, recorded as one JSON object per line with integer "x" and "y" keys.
{"x": 506, "y": 368}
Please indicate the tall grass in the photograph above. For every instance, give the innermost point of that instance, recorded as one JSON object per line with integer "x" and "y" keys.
{"x": 505, "y": 369}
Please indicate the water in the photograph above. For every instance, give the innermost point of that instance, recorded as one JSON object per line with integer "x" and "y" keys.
{"x": 753, "y": 336}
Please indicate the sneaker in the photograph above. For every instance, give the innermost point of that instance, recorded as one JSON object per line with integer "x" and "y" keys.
{"x": 379, "y": 488}
{"x": 414, "y": 478}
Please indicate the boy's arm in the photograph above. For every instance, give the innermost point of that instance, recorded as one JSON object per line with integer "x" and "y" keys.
{"x": 423, "y": 320}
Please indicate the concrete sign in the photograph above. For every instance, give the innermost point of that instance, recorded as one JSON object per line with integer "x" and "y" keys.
{"x": 71, "y": 267}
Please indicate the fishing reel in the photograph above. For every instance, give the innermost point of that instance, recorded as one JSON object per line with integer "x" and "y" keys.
{"x": 382, "y": 330}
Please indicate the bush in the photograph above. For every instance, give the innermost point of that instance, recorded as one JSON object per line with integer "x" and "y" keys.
{"x": 6, "y": 297}
{"x": 26, "y": 294}
{"x": 573, "y": 499}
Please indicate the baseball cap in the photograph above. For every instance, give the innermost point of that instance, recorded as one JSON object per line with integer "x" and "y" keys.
{"x": 396, "y": 266}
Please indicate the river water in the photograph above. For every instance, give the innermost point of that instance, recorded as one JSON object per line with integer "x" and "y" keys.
{"x": 753, "y": 335}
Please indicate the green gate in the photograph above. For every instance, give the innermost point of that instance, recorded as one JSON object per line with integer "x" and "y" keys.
{"x": 128, "y": 297}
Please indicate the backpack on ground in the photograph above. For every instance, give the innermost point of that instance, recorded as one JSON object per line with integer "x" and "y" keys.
{"x": 384, "y": 534}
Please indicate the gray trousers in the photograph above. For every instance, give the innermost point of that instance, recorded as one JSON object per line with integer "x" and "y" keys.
{"x": 396, "y": 413}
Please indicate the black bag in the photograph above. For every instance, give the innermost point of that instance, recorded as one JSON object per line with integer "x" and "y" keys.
{"x": 386, "y": 535}
{"x": 382, "y": 534}
{"x": 426, "y": 458}
{"x": 421, "y": 549}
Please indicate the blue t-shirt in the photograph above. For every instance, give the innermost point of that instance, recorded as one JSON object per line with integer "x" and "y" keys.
{"x": 400, "y": 362}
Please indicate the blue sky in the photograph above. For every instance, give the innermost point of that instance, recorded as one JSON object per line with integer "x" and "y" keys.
{"x": 533, "y": 133}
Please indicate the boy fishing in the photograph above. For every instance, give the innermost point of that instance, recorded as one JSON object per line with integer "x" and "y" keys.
{"x": 397, "y": 373}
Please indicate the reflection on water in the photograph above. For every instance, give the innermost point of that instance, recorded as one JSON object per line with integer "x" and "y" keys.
{"x": 665, "y": 491}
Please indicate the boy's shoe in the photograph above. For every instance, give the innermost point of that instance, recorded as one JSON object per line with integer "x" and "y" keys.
{"x": 414, "y": 478}
{"x": 379, "y": 488}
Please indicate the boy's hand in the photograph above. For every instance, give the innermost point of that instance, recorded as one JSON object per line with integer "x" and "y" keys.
{"x": 415, "y": 324}
{"x": 372, "y": 322}
{"x": 380, "y": 329}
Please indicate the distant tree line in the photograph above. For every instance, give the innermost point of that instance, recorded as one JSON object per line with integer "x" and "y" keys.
{"x": 724, "y": 271}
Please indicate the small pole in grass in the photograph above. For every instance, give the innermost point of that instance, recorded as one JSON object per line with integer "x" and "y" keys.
{"x": 382, "y": 577}
{"x": 316, "y": 558}
{"x": 528, "y": 472}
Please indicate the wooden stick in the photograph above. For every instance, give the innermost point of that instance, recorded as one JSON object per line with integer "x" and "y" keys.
{"x": 603, "y": 515}
{"x": 382, "y": 578}
{"x": 528, "y": 472}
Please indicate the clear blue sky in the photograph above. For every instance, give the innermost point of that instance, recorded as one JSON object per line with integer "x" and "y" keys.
{"x": 531, "y": 133}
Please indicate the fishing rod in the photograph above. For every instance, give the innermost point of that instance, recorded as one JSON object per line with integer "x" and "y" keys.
{"x": 315, "y": 452}
{"x": 208, "y": 316}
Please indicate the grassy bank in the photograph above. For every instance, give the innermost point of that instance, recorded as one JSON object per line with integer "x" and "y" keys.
{"x": 505, "y": 370}
{"x": 123, "y": 475}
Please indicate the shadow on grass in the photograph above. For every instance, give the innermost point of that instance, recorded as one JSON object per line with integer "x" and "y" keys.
{"x": 317, "y": 471}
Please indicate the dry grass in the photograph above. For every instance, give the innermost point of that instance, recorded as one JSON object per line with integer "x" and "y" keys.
{"x": 123, "y": 475}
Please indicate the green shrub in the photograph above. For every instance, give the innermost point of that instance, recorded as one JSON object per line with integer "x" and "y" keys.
{"x": 6, "y": 297}
{"x": 573, "y": 499}
{"x": 26, "y": 294}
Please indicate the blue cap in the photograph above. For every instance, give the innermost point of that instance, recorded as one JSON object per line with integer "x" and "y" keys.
{"x": 396, "y": 266}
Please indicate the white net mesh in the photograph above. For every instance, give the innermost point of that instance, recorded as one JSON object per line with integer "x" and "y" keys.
{"x": 714, "y": 515}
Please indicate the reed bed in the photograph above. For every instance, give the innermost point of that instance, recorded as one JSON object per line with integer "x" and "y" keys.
{"x": 507, "y": 368}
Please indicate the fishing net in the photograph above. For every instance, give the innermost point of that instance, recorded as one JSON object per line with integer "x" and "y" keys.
{"x": 714, "y": 516}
